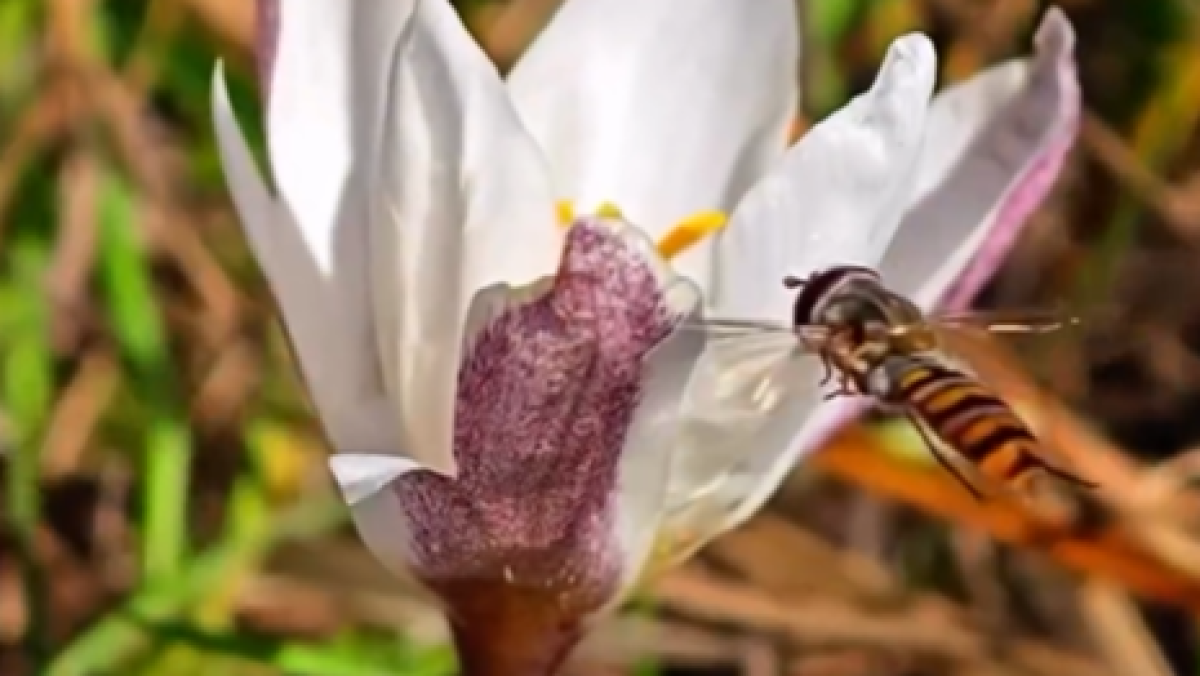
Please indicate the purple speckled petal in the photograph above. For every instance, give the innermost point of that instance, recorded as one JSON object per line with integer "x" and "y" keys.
{"x": 995, "y": 147}
{"x": 460, "y": 199}
{"x": 561, "y": 394}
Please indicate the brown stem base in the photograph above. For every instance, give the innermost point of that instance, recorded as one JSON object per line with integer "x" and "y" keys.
{"x": 503, "y": 629}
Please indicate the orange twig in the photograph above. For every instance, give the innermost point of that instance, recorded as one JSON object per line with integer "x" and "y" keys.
{"x": 859, "y": 458}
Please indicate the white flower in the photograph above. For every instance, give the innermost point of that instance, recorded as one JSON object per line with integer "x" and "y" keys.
{"x": 931, "y": 194}
{"x": 539, "y": 434}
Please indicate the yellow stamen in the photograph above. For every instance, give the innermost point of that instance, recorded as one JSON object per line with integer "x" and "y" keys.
{"x": 564, "y": 210}
{"x": 685, "y": 234}
{"x": 609, "y": 210}
{"x": 689, "y": 231}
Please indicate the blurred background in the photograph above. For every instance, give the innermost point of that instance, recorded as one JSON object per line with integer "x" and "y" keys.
{"x": 165, "y": 503}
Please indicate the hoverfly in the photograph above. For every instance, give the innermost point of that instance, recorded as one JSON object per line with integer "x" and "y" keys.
{"x": 877, "y": 343}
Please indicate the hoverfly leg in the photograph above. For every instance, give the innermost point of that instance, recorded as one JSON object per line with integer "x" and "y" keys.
{"x": 828, "y": 375}
{"x": 841, "y": 391}
{"x": 846, "y": 387}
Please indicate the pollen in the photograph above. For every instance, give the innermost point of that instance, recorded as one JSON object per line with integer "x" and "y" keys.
{"x": 609, "y": 210}
{"x": 564, "y": 211}
{"x": 689, "y": 231}
{"x": 683, "y": 236}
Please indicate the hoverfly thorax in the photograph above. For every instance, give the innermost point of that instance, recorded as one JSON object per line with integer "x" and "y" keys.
{"x": 854, "y": 298}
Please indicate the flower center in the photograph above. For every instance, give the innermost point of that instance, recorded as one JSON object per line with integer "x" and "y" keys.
{"x": 678, "y": 239}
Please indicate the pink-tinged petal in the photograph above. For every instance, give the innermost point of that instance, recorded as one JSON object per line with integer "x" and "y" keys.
{"x": 665, "y": 108}
{"x": 568, "y": 399}
{"x": 1036, "y": 123}
{"x": 1042, "y": 110}
{"x": 995, "y": 147}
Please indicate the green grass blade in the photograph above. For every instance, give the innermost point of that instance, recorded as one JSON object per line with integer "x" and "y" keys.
{"x": 121, "y": 633}
{"x": 28, "y": 384}
{"x": 305, "y": 659}
{"x": 127, "y": 287}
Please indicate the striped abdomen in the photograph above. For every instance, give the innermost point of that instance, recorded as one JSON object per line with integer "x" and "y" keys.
{"x": 968, "y": 418}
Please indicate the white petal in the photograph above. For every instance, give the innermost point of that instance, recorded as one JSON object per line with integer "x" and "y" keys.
{"x": 837, "y": 196}
{"x": 733, "y": 496}
{"x": 460, "y": 200}
{"x": 326, "y": 318}
{"x": 741, "y": 438}
{"x": 365, "y": 482}
{"x": 651, "y": 441}
{"x": 253, "y": 202}
{"x": 665, "y": 108}
{"x": 753, "y": 404}
{"x": 325, "y": 62}
{"x": 996, "y": 145}
{"x": 324, "y": 100}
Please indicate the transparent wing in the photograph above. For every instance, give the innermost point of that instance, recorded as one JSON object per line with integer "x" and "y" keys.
{"x": 1017, "y": 322}
{"x": 1038, "y": 334}
{"x": 735, "y": 327}
{"x": 744, "y": 376}
{"x": 751, "y": 394}
{"x": 1007, "y": 321}
{"x": 806, "y": 338}
{"x": 986, "y": 341}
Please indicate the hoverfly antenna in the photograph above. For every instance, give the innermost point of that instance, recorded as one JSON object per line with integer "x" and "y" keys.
{"x": 792, "y": 282}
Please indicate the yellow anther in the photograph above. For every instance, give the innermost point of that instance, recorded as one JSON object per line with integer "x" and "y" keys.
{"x": 564, "y": 210}
{"x": 609, "y": 210}
{"x": 684, "y": 235}
{"x": 689, "y": 231}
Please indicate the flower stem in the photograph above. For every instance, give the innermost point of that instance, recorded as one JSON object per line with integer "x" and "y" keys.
{"x": 503, "y": 629}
